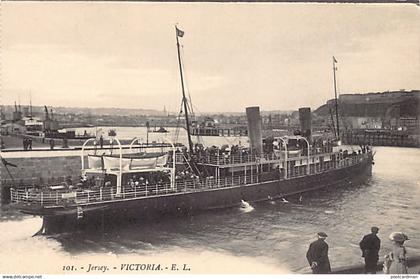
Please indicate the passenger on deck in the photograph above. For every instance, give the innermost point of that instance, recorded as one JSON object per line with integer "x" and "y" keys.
{"x": 276, "y": 145}
{"x": 131, "y": 183}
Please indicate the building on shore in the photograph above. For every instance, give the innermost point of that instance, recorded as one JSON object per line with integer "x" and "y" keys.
{"x": 385, "y": 118}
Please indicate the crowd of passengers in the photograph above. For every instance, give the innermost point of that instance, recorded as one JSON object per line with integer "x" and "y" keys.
{"x": 236, "y": 153}
{"x": 142, "y": 181}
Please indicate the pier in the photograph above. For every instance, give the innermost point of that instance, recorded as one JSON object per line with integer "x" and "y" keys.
{"x": 412, "y": 262}
{"x": 224, "y": 131}
{"x": 379, "y": 137}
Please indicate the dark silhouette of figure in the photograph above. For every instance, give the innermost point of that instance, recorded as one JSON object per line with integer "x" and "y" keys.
{"x": 370, "y": 246}
{"x": 29, "y": 144}
{"x": 65, "y": 142}
{"x": 52, "y": 144}
{"x": 25, "y": 144}
{"x": 317, "y": 255}
{"x": 101, "y": 142}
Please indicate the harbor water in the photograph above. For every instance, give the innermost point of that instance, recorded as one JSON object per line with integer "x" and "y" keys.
{"x": 270, "y": 237}
{"x": 174, "y": 135}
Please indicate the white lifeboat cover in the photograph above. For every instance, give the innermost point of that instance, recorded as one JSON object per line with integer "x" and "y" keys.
{"x": 95, "y": 162}
{"x": 134, "y": 163}
{"x": 162, "y": 160}
{"x": 114, "y": 162}
{"x": 143, "y": 163}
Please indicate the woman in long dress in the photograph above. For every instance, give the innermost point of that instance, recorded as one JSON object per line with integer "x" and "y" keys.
{"x": 396, "y": 261}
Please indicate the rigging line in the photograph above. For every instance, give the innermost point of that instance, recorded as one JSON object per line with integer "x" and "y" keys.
{"x": 190, "y": 105}
{"x": 186, "y": 81}
{"x": 183, "y": 64}
{"x": 178, "y": 126}
{"x": 176, "y": 134}
{"x": 231, "y": 141}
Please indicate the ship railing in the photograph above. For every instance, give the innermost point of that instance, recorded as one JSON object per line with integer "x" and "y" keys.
{"x": 321, "y": 150}
{"x": 316, "y": 168}
{"x": 35, "y": 196}
{"x": 47, "y": 198}
{"x": 232, "y": 159}
{"x": 351, "y": 160}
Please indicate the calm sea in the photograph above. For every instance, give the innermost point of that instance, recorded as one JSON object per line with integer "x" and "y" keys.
{"x": 271, "y": 238}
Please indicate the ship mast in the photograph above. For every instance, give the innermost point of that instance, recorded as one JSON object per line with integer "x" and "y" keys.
{"x": 336, "y": 99}
{"x": 30, "y": 104}
{"x": 180, "y": 33}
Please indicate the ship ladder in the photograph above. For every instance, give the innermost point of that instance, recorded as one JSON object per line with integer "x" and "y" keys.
{"x": 79, "y": 212}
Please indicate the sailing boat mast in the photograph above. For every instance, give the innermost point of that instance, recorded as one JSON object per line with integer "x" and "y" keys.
{"x": 336, "y": 99}
{"x": 180, "y": 33}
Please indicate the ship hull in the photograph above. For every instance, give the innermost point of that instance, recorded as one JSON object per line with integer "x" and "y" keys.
{"x": 155, "y": 208}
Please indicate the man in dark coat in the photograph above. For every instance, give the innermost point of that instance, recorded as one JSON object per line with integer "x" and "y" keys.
{"x": 370, "y": 246}
{"x": 317, "y": 255}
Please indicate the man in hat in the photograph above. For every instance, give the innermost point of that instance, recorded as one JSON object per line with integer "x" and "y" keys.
{"x": 370, "y": 246}
{"x": 317, "y": 255}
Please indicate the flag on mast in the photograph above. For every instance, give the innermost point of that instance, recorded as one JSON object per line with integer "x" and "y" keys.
{"x": 335, "y": 60}
{"x": 179, "y": 32}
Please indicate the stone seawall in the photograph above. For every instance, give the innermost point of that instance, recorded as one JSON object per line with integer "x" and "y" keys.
{"x": 38, "y": 168}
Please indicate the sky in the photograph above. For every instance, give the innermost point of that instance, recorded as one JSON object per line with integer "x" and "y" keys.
{"x": 272, "y": 55}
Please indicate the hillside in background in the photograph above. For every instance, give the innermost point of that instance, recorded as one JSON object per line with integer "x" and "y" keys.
{"x": 382, "y": 104}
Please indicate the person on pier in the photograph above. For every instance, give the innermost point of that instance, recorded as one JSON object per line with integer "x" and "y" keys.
{"x": 317, "y": 255}
{"x": 396, "y": 261}
{"x": 370, "y": 246}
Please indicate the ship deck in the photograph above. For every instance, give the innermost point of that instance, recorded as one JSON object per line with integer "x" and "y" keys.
{"x": 60, "y": 196}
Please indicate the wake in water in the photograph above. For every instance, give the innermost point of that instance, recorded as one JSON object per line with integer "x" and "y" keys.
{"x": 246, "y": 207}
{"x": 19, "y": 229}
{"x": 284, "y": 200}
{"x": 18, "y": 243}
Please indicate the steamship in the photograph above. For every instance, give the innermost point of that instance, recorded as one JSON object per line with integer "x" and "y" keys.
{"x": 148, "y": 184}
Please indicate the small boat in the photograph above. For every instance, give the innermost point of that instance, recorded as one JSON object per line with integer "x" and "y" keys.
{"x": 160, "y": 130}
